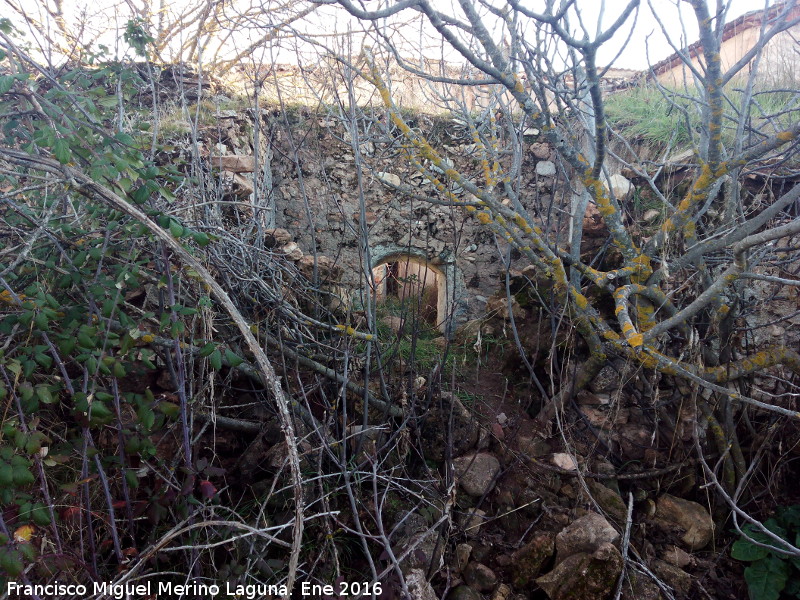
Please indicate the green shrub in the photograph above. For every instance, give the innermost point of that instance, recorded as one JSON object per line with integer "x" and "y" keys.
{"x": 771, "y": 574}
{"x": 76, "y": 423}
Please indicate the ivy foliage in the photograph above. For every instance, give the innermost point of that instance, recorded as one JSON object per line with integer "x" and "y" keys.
{"x": 771, "y": 574}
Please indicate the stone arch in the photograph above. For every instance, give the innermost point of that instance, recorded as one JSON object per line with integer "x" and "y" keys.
{"x": 451, "y": 307}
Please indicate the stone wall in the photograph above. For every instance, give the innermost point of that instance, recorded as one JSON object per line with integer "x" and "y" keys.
{"x": 331, "y": 207}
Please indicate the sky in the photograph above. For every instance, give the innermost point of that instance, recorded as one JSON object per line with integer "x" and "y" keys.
{"x": 644, "y": 40}
{"x": 647, "y": 43}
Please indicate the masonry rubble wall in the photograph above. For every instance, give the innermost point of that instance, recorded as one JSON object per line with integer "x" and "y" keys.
{"x": 330, "y": 206}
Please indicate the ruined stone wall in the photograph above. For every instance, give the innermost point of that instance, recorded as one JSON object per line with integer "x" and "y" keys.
{"x": 359, "y": 218}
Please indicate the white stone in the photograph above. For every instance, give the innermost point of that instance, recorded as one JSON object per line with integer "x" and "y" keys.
{"x": 545, "y": 168}
{"x": 565, "y": 461}
{"x": 651, "y": 214}
{"x": 620, "y": 187}
{"x": 292, "y": 251}
{"x": 389, "y": 178}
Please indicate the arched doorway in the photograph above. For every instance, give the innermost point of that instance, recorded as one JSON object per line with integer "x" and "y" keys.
{"x": 436, "y": 281}
{"x": 413, "y": 282}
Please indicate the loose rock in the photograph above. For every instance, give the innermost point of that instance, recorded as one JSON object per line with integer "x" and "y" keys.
{"x": 389, "y": 178}
{"x": 676, "y": 556}
{"x": 528, "y": 561}
{"x": 428, "y": 550}
{"x": 540, "y": 150}
{"x": 610, "y": 501}
{"x": 292, "y": 251}
{"x": 472, "y": 522}
{"x": 463, "y": 552}
{"x": 326, "y": 267}
{"x": 691, "y": 517}
{"x": 621, "y": 188}
{"x": 502, "y": 592}
{"x": 476, "y": 473}
{"x": 276, "y": 237}
{"x": 464, "y": 592}
{"x": 498, "y": 306}
{"x": 564, "y": 461}
{"x": 651, "y": 214}
{"x": 678, "y": 579}
{"x": 419, "y": 587}
{"x": 480, "y": 577}
{"x": 234, "y": 163}
{"x": 545, "y": 168}
{"x": 584, "y": 576}
{"x": 586, "y": 534}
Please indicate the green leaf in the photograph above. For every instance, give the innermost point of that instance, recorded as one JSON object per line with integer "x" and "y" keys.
{"x": 140, "y": 195}
{"x": 772, "y": 525}
{"x": 147, "y": 418}
{"x": 118, "y": 369}
{"x": 40, "y": 320}
{"x": 99, "y": 413}
{"x": 26, "y": 391}
{"x": 232, "y": 358}
{"x": 125, "y": 138}
{"x": 170, "y": 409}
{"x": 207, "y": 349}
{"x": 215, "y": 359}
{"x": 130, "y": 477}
{"x": 766, "y": 578}
{"x": 28, "y": 550}
{"x": 20, "y": 439}
{"x": 108, "y": 101}
{"x": 6, "y": 475}
{"x": 14, "y": 366}
{"x": 22, "y": 476}
{"x": 61, "y": 151}
{"x": 201, "y": 238}
{"x": 40, "y": 515}
{"x": 34, "y": 443}
{"x": 28, "y": 367}
{"x": 176, "y": 229}
{"x": 177, "y": 329}
{"x": 6, "y": 83}
{"x": 85, "y": 341}
{"x": 790, "y": 516}
{"x": 11, "y": 562}
{"x": 44, "y": 360}
{"x": 44, "y": 394}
